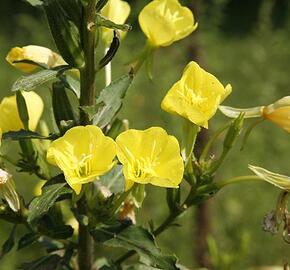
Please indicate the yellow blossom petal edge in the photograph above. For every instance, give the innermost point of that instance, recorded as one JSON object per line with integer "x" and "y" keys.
{"x": 83, "y": 154}
{"x": 36, "y": 54}
{"x": 196, "y": 96}
{"x": 150, "y": 156}
{"x": 9, "y": 117}
{"x": 166, "y": 21}
{"x": 117, "y": 11}
{"x": 279, "y": 180}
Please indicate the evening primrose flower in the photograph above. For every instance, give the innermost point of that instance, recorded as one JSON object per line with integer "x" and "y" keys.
{"x": 37, "y": 54}
{"x": 150, "y": 156}
{"x": 117, "y": 11}
{"x": 196, "y": 96}
{"x": 83, "y": 154}
{"x": 278, "y": 112}
{"x": 9, "y": 117}
{"x": 166, "y": 21}
{"x": 279, "y": 180}
{"x": 8, "y": 192}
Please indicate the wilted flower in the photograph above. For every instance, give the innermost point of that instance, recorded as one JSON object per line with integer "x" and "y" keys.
{"x": 166, "y": 21}
{"x": 196, "y": 96}
{"x": 37, "y": 54}
{"x": 7, "y": 190}
{"x": 150, "y": 156}
{"x": 9, "y": 117}
{"x": 279, "y": 180}
{"x": 117, "y": 11}
{"x": 83, "y": 154}
{"x": 278, "y": 112}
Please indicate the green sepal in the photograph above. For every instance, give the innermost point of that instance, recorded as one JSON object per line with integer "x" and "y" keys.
{"x": 62, "y": 108}
{"x": 111, "y": 52}
{"x": 22, "y": 109}
{"x": 104, "y": 22}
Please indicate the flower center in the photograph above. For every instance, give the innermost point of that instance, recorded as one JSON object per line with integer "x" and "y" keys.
{"x": 84, "y": 166}
{"x": 143, "y": 168}
{"x": 192, "y": 97}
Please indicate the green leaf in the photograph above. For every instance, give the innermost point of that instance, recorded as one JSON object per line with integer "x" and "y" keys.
{"x": 27, "y": 239}
{"x": 50, "y": 262}
{"x": 105, "y": 22}
{"x": 26, "y": 134}
{"x": 22, "y": 109}
{"x": 109, "y": 101}
{"x": 138, "y": 239}
{"x": 141, "y": 267}
{"x": 32, "y": 81}
{"x": 59, "y": 232}
{"x": 114, "y": 180}
{"x": 41, "y": 204}
{"x": 35, "y": 2}
{"x": 9, "y": 243}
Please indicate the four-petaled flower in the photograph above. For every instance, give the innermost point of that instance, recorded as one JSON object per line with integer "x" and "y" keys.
{"x": 150, "y": 156}
{"x": 166, "y": 21}
{"x": 196, "y": 96}
{"x": 83, "y": 154}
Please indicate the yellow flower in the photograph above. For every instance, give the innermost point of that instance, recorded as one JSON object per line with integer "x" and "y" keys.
{"x": 9, "y": 117}
{"x": 117, "y": 11}
{"x": 196, "y": 96}
{"x": 166, "y": 21}
{"x": 150, "y": 156}
{"x": 83, "y": 154}
{"x": 278, "y": 112}
{"x": 0, "y": 136}
{"x": 36, "y": 54}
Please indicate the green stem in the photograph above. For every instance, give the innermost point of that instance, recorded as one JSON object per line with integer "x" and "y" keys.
{"x": 148, "y": 49}
{"x": 188, "y": 203}
{"x": 87, "y": 98}
{"x": 209, "y": 144}
{"x": 88, "y": 72}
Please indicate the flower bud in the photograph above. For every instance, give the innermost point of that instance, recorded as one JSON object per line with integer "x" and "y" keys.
{"x": 7, "y": 190}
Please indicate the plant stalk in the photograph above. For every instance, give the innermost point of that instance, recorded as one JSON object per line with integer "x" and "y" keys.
{"x": 87, "y": 98}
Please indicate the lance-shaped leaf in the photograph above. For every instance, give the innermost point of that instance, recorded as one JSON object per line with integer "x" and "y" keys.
{"x": 105, "y": 22}
{"x": 109, "y": 101}
{"x": 26, "y": 134}
{"x": 22, "y": 109}
{"x": 28, "y": 239}
{"x": 138, "y": 239}
{"x": 50, "y": 262}
{"x": 9, "y": 243}
{"x": 41, "y": 204}
{"x": 35, "y": 2}
{"x": 30, "y": 82}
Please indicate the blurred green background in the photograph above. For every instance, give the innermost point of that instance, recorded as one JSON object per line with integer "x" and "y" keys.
{"x": 245, "y": 43}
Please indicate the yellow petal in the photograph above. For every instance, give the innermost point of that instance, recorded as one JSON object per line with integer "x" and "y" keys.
{"x": 150, "y": 156}
{"x": 196, "y": 96}
{"x": 9, "y": 117}
{"x": 117, "y": 11}
{"x": 83, "y": 154}
{"x": 166, "y": 21}
{"x": 33, "y": 53}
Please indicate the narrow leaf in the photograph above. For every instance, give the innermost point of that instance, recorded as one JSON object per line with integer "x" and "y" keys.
{"x": 105, "y": 22}
{"x": 41, "y": 204}
{"x": 30, "y": 82}
{"x": 35, "y": 2}
{"x": 26, "y": 134}
{"x": 49, "y": 262}
{"x": 22, "y": 109}
{"x": 9, "y": 243}
{"x": 138, "y": 239}
{"x": 109, "y": 101}
{"x": 27, "y": 240}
